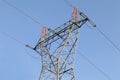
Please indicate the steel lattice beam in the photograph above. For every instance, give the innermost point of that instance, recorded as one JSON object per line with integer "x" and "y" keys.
{"x": 58, "y": 50}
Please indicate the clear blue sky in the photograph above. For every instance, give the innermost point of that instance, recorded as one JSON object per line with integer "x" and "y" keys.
{"x": 15, "y": 64}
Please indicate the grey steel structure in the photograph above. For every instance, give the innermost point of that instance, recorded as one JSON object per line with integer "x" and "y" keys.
{"x": 58, "y": 50}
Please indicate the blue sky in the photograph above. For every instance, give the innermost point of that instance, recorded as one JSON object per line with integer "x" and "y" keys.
{"x": 16, "y": 64}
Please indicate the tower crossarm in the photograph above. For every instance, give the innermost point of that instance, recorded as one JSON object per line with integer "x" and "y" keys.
{"x": 60, "y": 32}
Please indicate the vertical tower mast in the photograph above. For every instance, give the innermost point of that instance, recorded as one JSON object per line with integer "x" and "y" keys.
{"x": 57, "y": 49}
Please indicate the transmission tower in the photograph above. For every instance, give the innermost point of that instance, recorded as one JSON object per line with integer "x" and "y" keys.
{"x": 57, "y": 49}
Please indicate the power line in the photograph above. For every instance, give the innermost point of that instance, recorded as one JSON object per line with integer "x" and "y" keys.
{"x": 20, "y": 42}
{"x": 108, "y": 39}
{"x": 69, "y": 3}
{"x": 19, "y": 10}
{"x": 28, "y": 16}
{"x": 96, "y": 67}
{"x": 11, "y": 37}
{"x": 31, "y": 55}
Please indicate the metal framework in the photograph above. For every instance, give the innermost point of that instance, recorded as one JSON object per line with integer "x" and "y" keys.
{"x": 58, "y": 50}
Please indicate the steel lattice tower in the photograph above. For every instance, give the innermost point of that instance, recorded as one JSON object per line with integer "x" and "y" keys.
{"x": 58, "y": 50}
